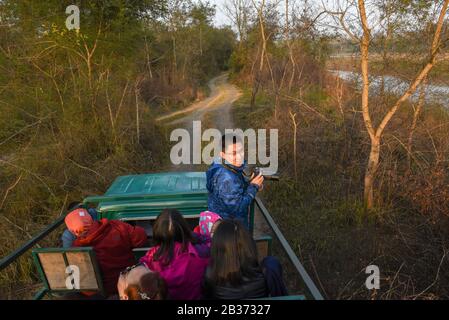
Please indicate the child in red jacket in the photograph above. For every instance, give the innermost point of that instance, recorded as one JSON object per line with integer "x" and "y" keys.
{"x": 112, "y": 241}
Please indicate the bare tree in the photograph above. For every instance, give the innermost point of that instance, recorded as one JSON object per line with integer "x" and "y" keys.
{"x": 375, "y": 133}
{"x": 295, "y": 130}
{"x": 136, "y": 94}
{"x": 238, "y": 12}
{"x": 289, "y": 45}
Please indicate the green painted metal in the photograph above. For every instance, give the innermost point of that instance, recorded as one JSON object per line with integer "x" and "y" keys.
{"x": 142, "y": 197}
{"x": 6, "y": 261}
{"x": 98, "y": 276}
{"x": 48, "y": 290}
{"x": 40, "y": 294}
{"x": 41, "y": 272}
{"x": 251, "y": 217}
{"x": 159, "y": 183}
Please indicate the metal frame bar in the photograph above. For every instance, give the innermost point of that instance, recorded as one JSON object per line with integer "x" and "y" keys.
{"x": 98, "y": 199}
{"x": 40, "y": 294}
{"x": 63, "y": 251}
{"x": 97, "y": 270}
{"x": 6, "y": 261}
{"x": 147, "y": 218}
{"x": 251, "y": 217}
{"x": 290, "y": 253}
{"x": 40, "y": 270}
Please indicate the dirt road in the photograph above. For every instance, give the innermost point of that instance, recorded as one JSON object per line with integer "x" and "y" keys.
{"x": 218, "y": 105}
{"x": 217, "y": 109}
{"x": 214, "y": 112}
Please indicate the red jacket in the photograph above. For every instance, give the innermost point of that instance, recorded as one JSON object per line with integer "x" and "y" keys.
{"x": 113, "y": 242}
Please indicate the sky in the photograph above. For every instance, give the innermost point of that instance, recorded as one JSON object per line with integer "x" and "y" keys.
{"x": 220, "y": 17}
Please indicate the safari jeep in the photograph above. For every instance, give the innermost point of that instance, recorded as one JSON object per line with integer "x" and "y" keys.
{"x": 138, "y": 200}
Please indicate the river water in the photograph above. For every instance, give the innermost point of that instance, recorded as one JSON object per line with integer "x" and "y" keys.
{"x": 435, "y": 94}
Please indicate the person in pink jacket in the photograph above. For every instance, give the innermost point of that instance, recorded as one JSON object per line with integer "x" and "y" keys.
{"x": 179, "y": 255}
{"x": 208, "y": 222}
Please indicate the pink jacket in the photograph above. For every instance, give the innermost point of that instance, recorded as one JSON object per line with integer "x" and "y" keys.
{"x": 183, "y": 275}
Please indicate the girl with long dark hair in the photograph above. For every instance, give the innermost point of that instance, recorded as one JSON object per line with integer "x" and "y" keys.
{"x": 178, "y": 255}
{"x": 233, "y": 271}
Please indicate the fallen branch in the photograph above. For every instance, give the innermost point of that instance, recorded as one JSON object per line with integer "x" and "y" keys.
{"x": 306, "y": 106}
{"x": 86, "y": 168}
{"x": 9, "y": 189}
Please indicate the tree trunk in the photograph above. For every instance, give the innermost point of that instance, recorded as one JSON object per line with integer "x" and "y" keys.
{"x": 175, "y": 62}
{"x": 147, "y": 54}
{"x": 136, "y": 92}
{"x": 373, "y": 164}
{"x": 254, "y": 92}
{"x": 375, "y": 134}
{"x": 373, "y": 160}
{"x": 295, "y": 130}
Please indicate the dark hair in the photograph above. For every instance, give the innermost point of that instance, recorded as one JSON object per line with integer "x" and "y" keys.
{"x": 151, "y": 286}
{"x": 170, "y": 227}
{"x": 233, "y": 255}
{"x": 227, "y": 138}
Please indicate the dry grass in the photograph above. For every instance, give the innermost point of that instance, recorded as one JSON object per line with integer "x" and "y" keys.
{"x": 321, "y": 212}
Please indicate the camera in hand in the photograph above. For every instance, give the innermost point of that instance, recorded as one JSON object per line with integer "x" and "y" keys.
{"x": 257, "y": 170}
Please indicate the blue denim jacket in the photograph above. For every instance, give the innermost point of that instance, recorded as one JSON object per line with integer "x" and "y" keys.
{"x": 230, "y": 195}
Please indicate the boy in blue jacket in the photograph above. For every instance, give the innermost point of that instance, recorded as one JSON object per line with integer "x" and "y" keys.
{"x": 230, "y": 193}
